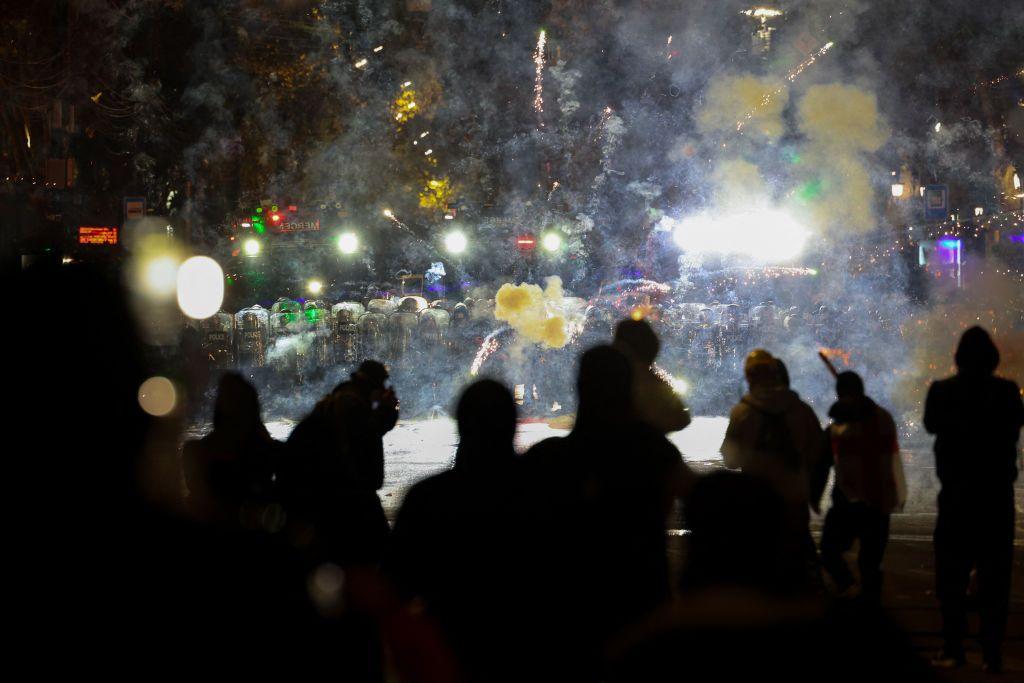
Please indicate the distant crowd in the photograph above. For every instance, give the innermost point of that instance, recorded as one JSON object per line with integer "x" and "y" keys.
{"x": 553, "y": 564}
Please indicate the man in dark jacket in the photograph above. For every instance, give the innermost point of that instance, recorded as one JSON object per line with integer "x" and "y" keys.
{"x": 869, "y": 486}
{"x": 337, "y": 466}
{"x": 976, "y": 418}
{"x": 775, "y": 436}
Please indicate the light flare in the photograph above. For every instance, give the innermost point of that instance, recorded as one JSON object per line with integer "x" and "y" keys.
{"x": 765, "y": 236}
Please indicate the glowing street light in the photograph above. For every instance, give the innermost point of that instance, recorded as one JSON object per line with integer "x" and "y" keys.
{"x": 552, "y": 242}
{"x": 978, "y": 211}
{"x": 251, "y": 247}
{"x": 315, "y": 287}
{"x": 455, "y": 242}
{"x": 897, "y": 190}
{"x": 348, "y": 243}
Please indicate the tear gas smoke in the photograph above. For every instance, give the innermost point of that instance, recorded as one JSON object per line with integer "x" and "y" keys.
{"x": 535, "y": 313}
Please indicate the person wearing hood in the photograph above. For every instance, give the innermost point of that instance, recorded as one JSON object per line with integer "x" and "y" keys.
{"x": 774, "y": 435}
{"x": 869, "y": 486}
{"x": 655, "y": 402}
{"x": 976, "y": 418}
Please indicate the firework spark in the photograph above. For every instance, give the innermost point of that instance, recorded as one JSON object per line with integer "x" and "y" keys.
{"x": 489, "y": 346}
{"x": 538, "y": 79}
{"x": 790, "y": 77}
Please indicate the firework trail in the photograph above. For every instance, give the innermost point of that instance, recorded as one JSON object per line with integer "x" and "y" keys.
{"x": 538, "y": 79}
{"x": 601, "y": 123}
{"x": 790, "y": 77}
{"x": 554, "y": 186}
{"x": 489, "y": 346}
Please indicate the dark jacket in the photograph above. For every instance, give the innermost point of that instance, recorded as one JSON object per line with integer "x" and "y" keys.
{"x": 976, "y": 419}
{"x": 742, "y": 448}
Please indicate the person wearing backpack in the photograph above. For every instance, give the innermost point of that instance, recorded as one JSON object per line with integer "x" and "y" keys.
{"x": 775, "y": 436}
{"x": 869, "y": 486}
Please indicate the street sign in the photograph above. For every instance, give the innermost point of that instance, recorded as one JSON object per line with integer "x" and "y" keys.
{"x": 134, "y": 207}
{"x": 936, "y": 202}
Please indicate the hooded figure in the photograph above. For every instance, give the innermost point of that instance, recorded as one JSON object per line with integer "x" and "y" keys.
{"x": 775, "y": 436}
{"x": 771, "y": 432}
{"x": 976, "y": 418}
{"x": 654, "y": 401}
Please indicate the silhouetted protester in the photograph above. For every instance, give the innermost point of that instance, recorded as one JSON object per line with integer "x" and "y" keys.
{"x": 107, "y": 575}
{"x": 336, "y": 467}
{"x": 869, "y": 486}
{"x": 737, "y": 524}
{"x": 231, "y": 473}
{"x": 774, "y": 435}
{"x": 655, "y": 402}
{"x": 596, "y": 503}
{"x": 449, "y": 545}
{"x": 976, "y": 418}
{"x": 737, "y": 618}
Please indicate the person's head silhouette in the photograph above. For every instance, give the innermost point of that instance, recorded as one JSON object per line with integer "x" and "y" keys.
{"x": 977, "y": 354}
{"x": 486, "y": 416}
{"x": 637, "y": 339}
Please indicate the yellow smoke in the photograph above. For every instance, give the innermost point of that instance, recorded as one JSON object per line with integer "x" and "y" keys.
{"x": 535, "y": 313}
{"x": 734, "y": 98}
{"x": 736, "y": 181}
{"x": 842, "y": 124}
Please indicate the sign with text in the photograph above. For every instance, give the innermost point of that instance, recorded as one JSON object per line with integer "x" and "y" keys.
{"x": 97, "y": 234}
{"x": 936, "y": 202}
{"x": 293, "y": 224}
{"x": 134, "y": 207}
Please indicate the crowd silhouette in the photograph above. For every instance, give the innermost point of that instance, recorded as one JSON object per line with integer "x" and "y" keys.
{"x": 553, "y": 564}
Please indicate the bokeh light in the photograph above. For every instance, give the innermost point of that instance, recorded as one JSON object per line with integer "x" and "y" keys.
{"x": 251, "y": 247}
{"x": 160, "y": 276}
{"x": 200, "y": 287}
{"x": 157, "y": 396}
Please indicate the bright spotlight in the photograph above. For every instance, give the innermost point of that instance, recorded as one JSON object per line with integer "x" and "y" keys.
{"x": 348, "y": 243}
{"x": 552, "y": 241}
{"x": 251, "y": 247}
{"x": 200, "y": 287}
{"x": 766, "y": 236}
{"x": 315, "y": 287}
{"x": 455, "y": 242}
{"x": 897, "y": 189}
